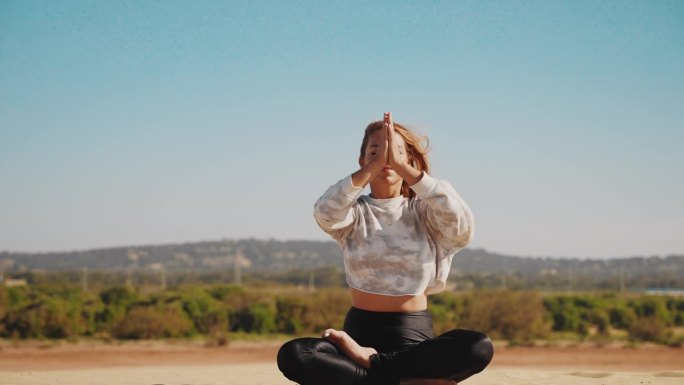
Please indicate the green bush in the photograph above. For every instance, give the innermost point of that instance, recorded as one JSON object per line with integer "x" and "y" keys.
{"x": 565, "y": 315}
{"x": 117, "y": 296}
{"x": 676, "y": 308}
{"x": 63, "y": 311}
{"x": 207, "y": 314}
{"x": 223, "y": 292}
{"x": 18, "y": 297}
{"x": 650, "y": 329}
{"x": 4, "y": 301}
{"x": 621, "y": 317}
{"x": 48, "y": 318}
{"x": 600, "y": 319}
{"x": 259, "y": 318}
{"x": 143, "y": 322}
{"x": 652, "y": 307}
{"x": 447, "y": 309}
{"x": 290, "y": 313}
{"x": 515, "y": 316}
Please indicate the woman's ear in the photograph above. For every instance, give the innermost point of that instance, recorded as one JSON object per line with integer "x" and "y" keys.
{"x": 362, "y": 161}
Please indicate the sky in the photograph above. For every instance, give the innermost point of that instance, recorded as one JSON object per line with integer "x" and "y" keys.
{"x": 149, "y": 122}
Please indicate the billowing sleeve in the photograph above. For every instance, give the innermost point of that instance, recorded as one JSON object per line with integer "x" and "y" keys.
{"x": 334, "y": 211}
{"x": 448, "y": 218}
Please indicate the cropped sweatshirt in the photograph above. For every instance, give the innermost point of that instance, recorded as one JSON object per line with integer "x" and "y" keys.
{"x": 396, "y": 246}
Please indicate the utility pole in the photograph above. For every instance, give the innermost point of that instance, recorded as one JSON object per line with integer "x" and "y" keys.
{"x": 622, "y": 280}
{"x": 236, "y": 273}
{"x": 162, "y": 277}
{"x": 84, "y": 279}
{"x": 133, "y": 258}
{"x": 311, "y": 280}
{"x": 239, "y": 261}
{"x": 129, "y": 277}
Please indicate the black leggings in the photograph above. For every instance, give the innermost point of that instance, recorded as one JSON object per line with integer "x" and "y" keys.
{"x": 406, "y": 349}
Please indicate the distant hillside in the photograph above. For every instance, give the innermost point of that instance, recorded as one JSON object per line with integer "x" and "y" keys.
{"x": 271, "y": 256}
{"x": 251, "y": 254}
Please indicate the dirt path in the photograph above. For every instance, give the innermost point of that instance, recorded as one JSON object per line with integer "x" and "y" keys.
{"x": 37, "y": 357}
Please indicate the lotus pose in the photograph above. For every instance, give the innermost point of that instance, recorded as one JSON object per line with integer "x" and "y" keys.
{"x": 397, "y": 245}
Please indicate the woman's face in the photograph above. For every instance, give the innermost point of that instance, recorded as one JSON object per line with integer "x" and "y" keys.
{"x": 371, "y": 152}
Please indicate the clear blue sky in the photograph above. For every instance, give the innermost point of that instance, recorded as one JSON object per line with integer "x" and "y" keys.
{"x": 140, "y": 122}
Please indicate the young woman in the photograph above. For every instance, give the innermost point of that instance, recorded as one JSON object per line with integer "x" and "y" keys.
{"x": 397, "y": 243}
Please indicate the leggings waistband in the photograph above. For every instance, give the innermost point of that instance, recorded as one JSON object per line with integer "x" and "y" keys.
{"x": 414, "y": 320}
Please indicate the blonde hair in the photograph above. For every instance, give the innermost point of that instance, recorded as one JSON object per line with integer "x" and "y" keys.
{"x": 417, "y": 151}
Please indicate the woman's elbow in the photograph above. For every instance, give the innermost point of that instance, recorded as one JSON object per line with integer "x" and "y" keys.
{"x": 462, "y": 233}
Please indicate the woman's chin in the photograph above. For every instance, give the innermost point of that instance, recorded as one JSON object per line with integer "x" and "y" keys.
{"x": 390, "y": 180}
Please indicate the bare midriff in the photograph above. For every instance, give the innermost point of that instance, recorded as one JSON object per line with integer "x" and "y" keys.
{"x": 388, "y": 303}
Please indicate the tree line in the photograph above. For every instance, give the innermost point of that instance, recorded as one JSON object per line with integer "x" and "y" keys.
{"x": 220, "y": 311}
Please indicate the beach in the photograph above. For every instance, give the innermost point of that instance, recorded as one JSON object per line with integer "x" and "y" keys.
{"x": 253, "y": 363}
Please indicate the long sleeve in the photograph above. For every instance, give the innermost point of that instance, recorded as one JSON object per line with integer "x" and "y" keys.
{"x": 334, "y": 211}
{"x": 448, "y": 217}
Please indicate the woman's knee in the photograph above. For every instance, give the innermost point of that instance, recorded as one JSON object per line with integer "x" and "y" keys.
{"x": 291, "y": 357}
{"x": 295, "y": 356}
{"x": 482, "y": 351}
{"x": 475, "y": 345}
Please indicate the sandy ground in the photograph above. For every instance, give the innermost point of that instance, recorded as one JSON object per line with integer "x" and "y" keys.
{"x": 253, "y": 363}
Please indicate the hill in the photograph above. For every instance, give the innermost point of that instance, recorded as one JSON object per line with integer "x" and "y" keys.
{"x": 481, "y": 267}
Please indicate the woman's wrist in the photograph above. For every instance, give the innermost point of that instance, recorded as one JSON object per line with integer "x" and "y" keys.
{"x": 365, "y": 174}
{"x": 410, "y": 175}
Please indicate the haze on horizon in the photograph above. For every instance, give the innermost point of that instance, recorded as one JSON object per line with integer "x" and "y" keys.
{"x": 137, "y": 123}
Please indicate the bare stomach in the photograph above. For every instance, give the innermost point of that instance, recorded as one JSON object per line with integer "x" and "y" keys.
{"x": 387, "y": 303}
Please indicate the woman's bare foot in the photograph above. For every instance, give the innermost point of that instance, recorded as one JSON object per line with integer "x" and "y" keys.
{"x": 427, "y": 381}
{"x": 357, "y": 353}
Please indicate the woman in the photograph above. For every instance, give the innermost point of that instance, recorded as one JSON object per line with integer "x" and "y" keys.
{"x": 398, "y": 243}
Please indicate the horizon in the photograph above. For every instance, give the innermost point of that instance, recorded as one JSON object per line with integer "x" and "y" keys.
{"x": 484, "y": 249}
{"x": 560, "y": 124}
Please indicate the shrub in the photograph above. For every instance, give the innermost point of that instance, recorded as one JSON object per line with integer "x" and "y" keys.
{"x": 515, "y": 316}
{"x": 297, "y": 314}
{"x": 207, "y": 314}
{"x": 17, "y": 297}
{"x": 652, "y": 307}
{"x": 564, "y": 314}
{"x": 650, "y": 329}
{"x": 117, "y": 296}
{"x": 676, "y": 309}
{"x": 600, "y": 319}
{"x": 259, "y": 318}
{"x": 4, "y": 301}
{"x": 149, "y": 322}
{"x": 50, "y": 318}
{"x": 447, "y": 309}
{"x": 621, "y": 317}
{"x": 290, "y": 312}
{"x": 223, "y": 292}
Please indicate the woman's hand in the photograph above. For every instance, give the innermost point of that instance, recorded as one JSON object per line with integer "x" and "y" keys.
{"x": 388, "y": 152}
{"x": 397, "y": 156}
{"x": 373, "y": 165}
{"x": 380, "y": 159}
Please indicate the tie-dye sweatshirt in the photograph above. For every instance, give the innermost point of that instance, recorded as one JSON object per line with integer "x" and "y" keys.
{"x": 396, "y": 246}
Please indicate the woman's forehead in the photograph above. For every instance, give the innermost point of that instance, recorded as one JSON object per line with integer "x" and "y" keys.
{"x": 374, "y": 138}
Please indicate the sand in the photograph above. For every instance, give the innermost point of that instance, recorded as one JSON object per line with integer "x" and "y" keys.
{"x": 267, "y": 374}
{"x": 253, "y": 364}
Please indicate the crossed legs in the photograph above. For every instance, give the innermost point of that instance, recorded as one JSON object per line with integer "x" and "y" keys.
{"x": 338, "y": 359}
